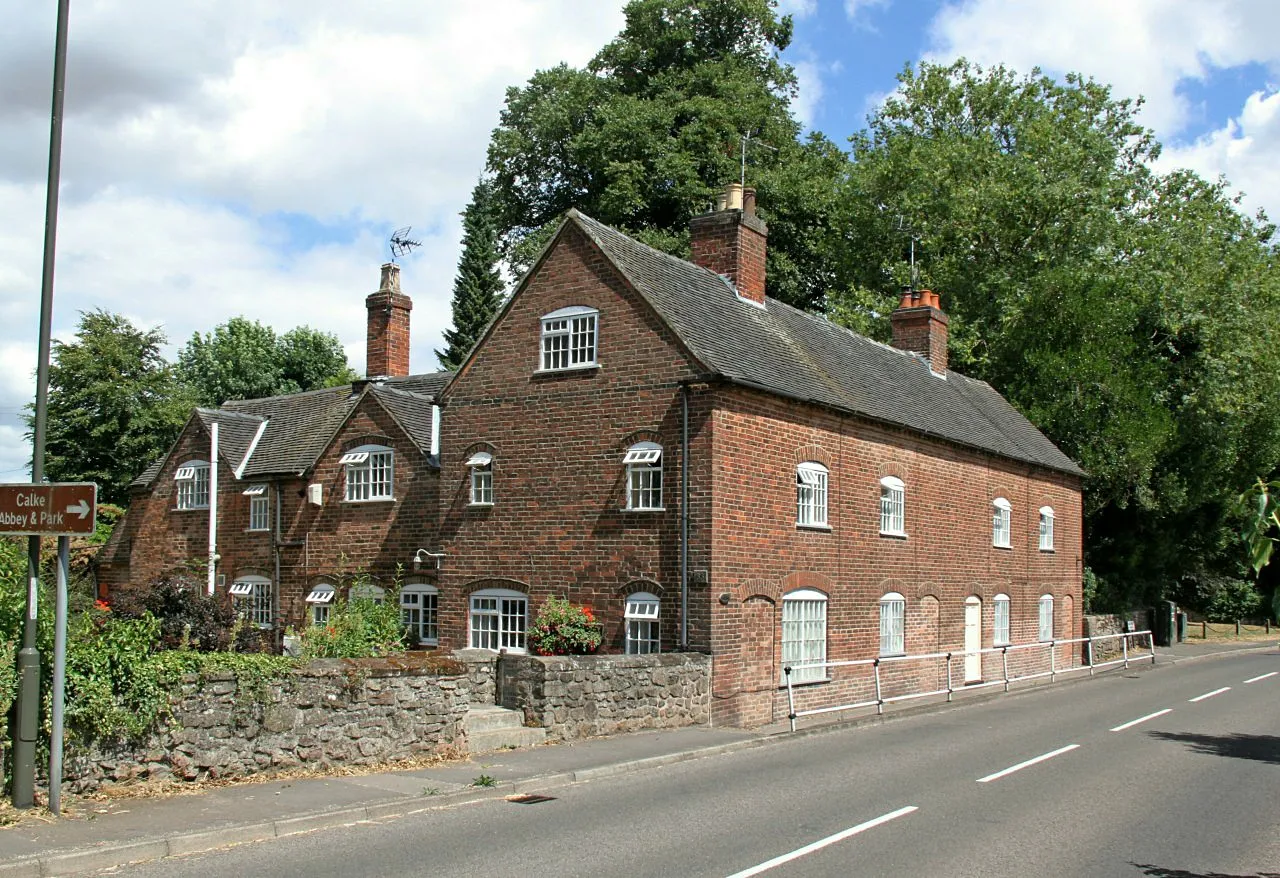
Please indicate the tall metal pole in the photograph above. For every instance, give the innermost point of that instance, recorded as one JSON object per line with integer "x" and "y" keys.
{"x": 59, "y": 676}
{"x": 24, "y": 744}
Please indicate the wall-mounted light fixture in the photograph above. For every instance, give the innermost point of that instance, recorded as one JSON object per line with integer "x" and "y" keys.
{"x": 422, "y": 554}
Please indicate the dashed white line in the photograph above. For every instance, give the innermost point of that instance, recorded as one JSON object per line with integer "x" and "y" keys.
{"x": 1261, "y": 677}
{"x": 823, "y": 842}
{"x": 1208, "y": 694}
{"x": 1021, "y": 765}
{"x": 1142, "y": 719}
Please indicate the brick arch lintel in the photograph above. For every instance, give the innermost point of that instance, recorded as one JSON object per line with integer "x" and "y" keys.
{"x": 368, "y": 439}
{"x": 493, "y": 582}
{"x": 641, "y": 434}
{"x": 639, "y": 583}
{"x": 814, "y": 452}
{"x": 262, "y": 572}
{"x": 481, "y": 445}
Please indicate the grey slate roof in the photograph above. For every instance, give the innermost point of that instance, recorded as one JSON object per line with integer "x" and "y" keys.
{"x": 782, "y": 350}
{"x": 301, "y": 425}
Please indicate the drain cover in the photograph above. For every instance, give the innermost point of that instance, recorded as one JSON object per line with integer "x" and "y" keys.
{"x": 530, "y": 799}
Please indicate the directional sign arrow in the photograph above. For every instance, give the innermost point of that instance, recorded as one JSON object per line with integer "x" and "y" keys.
{"x": 82, "y": 508}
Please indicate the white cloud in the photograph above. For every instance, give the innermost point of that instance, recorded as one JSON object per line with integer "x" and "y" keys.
{"x": 810, "y": 91}
{"x": 855, "y": 10}
{"x": 1244, "y": 151}
{"x": 198, "y": 144}
{"x": 797, "y": 8}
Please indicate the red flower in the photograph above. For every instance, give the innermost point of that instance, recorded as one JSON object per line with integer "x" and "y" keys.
{"x": 586, "y": 611}
{"x": 102, "y": 605}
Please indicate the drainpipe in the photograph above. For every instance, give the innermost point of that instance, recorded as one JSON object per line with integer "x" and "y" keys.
{"x": 684, "y": 518}
{"x": 213, "y": 504}
{"x": 275, "y": 545}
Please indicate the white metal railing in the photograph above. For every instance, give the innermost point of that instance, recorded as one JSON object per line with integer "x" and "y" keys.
{"x": 1005, "y": 680}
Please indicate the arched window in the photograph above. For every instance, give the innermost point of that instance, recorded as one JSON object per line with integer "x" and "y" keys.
{"x": 419, "y": 604}
{"x": 251, "y": 597}
{"x": 804, "y": 634}
{"x": 192, "y": 479}
{"x": 1000, "y": 607}
{"x": 1046, "y": 528}
{"x": 641, "y": 617}
{"x": 499, "y": 619}
{"x": 1046, "y": 617}
{"x": 811, "y": 494}
{"x": 320, "y": 599}
{"x": 893, "y": 506}
{"x": 644, "y": 475}
{"x": 1001, "y": 515}
{"x": 569, "y": 338}
{"x": 893, "y": 624}
{"x": 367, "y": 591}
{"x": 481, "y": 466}
{"x": 369, "y": 473}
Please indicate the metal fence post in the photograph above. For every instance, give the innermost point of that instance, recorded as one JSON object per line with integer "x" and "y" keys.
{"x": 1124, "y": 643}
{"x": 1053, "y": 661}
{"x": 949, "y": 690}
{"x": 1004, "y": 660}
{"x": 1152, "y": 638}
{"x": 791, "y": 698}
{"x": 1088, "y": 652}
{"x": 879, "y": 700}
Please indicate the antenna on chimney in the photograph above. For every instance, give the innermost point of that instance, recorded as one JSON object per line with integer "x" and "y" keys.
{"x": 904, "y": 228}
{"x": 401, "y": 243}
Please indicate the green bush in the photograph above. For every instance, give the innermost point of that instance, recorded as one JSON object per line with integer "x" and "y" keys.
{"x": 1233, "y": 599}
{"x": 189, "y": 616}
{"x": 358, "y": 627}
{"x": 562, "y": 628}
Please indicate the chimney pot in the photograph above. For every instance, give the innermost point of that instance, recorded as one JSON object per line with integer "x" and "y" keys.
{"x": 390, "y": 278}
{"x": 749, "y": 200}
{"x": 920, "y": 326}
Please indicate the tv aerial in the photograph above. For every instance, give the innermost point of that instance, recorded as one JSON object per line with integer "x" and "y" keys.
{"x": 401, "y": 243}
{"x": 903, "y": 227}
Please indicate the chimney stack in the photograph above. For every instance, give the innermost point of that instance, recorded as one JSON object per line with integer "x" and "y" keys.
{"x": 387, "y": 336}
{"x": 731, "y": 241}
{"x": 920, "y": 326}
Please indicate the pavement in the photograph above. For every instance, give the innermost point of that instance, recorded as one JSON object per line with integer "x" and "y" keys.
{"x": 101, "y": 833}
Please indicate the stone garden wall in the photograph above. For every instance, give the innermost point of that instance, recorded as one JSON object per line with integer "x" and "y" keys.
{"x": 331, "y": 713}
{"x": 580, "y": 696}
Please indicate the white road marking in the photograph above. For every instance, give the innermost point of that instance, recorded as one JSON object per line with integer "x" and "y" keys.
{"x": 1208, "y": 694}
{"x": 1261, "y": 677}
{"x": 1021, "y": 765}
{"x": 1142, "y": 719}
{"x": 821, "y": 843}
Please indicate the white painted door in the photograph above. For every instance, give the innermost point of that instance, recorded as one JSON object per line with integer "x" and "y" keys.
{"x": 972, "y": 639}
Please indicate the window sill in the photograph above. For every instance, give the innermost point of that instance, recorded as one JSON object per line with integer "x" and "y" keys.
{"x": 1005, "y": 548}
{"x": 257, "y": 530}
{"x": 794, "y": 683}
{"x": 581, "y": 367}
{"x": 370, "y": 500}
{"x": 1044, "y": 551}
{"x": 894, "y": 534}
{"x": 643, "y": 509}
{"x": 189, "y": 509}
{"x": 479, "y": 505}
{"x": 818, "y": 527}
{"x": 889, "y": 655}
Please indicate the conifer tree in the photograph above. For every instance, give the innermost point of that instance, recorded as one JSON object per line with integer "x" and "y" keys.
{"x": 477, "y": 290}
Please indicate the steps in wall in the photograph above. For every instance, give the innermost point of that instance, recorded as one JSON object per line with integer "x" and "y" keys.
{"x": 491, "y": 728}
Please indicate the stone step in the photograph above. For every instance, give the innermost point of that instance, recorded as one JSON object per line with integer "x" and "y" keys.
{"x": 488, "y": 718}
{"x": 505, "y": 739}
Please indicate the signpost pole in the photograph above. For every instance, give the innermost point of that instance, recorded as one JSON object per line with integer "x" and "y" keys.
{"x": 59, "y": 676}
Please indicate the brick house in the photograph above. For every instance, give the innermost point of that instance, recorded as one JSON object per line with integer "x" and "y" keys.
{"x": 709, "y": 469}
{"x": 308, "y": 490}
{"x": 712, "y": 470}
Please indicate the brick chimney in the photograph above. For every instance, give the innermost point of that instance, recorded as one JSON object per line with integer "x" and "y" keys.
{"x": 920, "y": 326}
{"x": 731, "y": 241}
{"x": 387, "y": 337}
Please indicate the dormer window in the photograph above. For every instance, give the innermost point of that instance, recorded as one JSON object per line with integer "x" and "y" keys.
{"x": 369, "y": 473}
{"x": 481, "y": 466}
{"x": 192, "y": 479}
{"x": 569, "y": 338}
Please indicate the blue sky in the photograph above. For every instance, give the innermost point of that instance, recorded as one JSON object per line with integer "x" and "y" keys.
{"x": 230, "y": 157}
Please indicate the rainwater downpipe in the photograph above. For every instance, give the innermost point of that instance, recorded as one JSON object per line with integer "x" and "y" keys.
{"x": 213, "y": 505}
{"x": 276, "y": 543}
{"x": 684, "y": 518}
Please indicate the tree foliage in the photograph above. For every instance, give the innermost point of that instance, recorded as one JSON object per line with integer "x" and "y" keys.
{"x": 1128, "y": 314}
{"x": 114, "y": 404}
{"x": 477, "y": 290}
{"x": 647, "y": 134}
{"x": 242, "y": 359}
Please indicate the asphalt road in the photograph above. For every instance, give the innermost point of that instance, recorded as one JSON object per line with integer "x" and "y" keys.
{"x": 1170, "y": 773}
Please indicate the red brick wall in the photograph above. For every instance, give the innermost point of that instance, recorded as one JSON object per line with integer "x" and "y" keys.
{"x": 387, "y": 334}
{"x": 759, "y": 553}
{"x": 558, "y": 525}
{"x": 732, "y": 243}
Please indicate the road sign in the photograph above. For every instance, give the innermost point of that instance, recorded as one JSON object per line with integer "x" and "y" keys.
{"x": 48, "y": 510}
